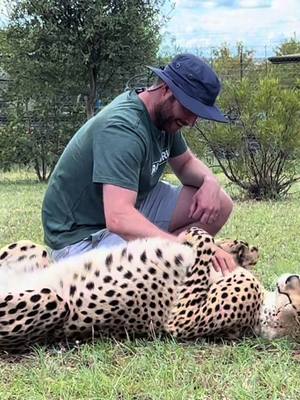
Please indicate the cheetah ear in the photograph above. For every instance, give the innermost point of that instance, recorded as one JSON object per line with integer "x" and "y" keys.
{"x": 245, "y": 256}
{"x": 241, "y": 253}
{"x": 293, "y": 282}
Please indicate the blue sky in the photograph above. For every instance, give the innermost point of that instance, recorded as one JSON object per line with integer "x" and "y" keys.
{"x": 261, "y": 24}
{"x": 203, "y": 24}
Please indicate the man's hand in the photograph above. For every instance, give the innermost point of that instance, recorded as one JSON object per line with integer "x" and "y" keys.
{"x": 223, "y": 261}
{"x": 206, "y": 203}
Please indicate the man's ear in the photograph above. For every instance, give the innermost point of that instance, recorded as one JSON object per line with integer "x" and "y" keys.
{"x": 166, "y": 91}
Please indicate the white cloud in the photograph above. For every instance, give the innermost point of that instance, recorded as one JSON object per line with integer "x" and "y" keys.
{"x": 254, "y": 3}
{"x": 223, "y": 3}
{"x": 255, "y": 22}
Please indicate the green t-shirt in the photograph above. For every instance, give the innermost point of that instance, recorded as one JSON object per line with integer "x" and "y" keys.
{"x": 119, "y": 146}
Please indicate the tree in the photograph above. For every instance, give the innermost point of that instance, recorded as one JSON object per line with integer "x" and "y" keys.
{"x": 232, "y": 66}
{"x": 87, "y": 47}
{"x": 289, "y": 46}
{"x": 36, "y": 134}
{"x": 62, "y": 54}
{"x": 259, "y": 150}
{"x": 288, "y": 74}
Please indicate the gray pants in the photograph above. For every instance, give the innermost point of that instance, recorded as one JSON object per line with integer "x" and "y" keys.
{"x": 158, "y": 207}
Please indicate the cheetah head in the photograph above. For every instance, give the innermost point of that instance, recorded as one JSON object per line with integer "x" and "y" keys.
{"x": 246, "y": 256}
{"x": 281, "y": 312}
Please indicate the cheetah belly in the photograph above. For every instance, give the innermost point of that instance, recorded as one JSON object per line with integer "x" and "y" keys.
{"x": 133, "y": 297}
{"x": 131, "y": 289}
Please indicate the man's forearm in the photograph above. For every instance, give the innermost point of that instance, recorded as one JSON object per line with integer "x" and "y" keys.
{"x": 194, "y": 172}
{"x": 131, "y": 224}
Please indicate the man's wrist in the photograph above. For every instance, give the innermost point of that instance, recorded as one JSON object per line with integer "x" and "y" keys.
{"x": 210, "y": 178}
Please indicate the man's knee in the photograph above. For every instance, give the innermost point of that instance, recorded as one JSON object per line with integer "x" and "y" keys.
{"x": 181, "y": 220}
{"x": 226, "y": 207}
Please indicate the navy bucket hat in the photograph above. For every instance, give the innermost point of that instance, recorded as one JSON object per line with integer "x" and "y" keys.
{"x": 194, "y": 84}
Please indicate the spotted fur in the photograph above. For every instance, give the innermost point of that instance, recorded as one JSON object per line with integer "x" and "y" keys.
{"x": 148, "y": 287}
{"x": 25, "y": 251}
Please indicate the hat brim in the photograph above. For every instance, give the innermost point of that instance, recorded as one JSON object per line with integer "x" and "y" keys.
{"x": 204, "y": 111}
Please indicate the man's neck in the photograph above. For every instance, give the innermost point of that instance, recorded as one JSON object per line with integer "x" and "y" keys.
{"x": 151, "y": 98}
{"x": 147, "y": 98}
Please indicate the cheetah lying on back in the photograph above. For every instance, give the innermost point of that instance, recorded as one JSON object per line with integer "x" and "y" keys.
{"x": 147, "y": 287}
{"x": 31, "y": 254}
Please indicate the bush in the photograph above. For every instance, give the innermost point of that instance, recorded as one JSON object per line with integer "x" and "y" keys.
{"x": 259, "y": 149}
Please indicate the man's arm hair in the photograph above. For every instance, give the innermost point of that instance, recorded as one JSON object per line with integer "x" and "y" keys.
{"x": 190, "y": 170}
{"x": 124, "y": 219}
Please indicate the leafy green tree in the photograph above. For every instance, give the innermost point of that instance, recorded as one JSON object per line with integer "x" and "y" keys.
{"x": 289, "y": 46}
{"x": 258, "y": 151}
{"x": 65, "y": 55}
{"x": 87, "y": 47}
{"x": 288, "y": 74}
{"x": 37, "y": 134}
{"x": 232, "y": 65}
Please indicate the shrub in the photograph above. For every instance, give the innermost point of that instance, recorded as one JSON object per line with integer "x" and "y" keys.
{"x": 259, "y": 149}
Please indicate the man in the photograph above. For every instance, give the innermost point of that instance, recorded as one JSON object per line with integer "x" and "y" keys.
{"x": 105, "y": 188}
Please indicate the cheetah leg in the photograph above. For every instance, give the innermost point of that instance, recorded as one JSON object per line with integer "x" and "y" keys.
{"x": 31, "y": 317}
{"x": 207, "y": 305}
{"x": 194, "y": 290}
{"x": 230, "y": 309}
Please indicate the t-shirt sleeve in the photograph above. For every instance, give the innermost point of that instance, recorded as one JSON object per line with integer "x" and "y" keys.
{"x": 118, "y": 154}
{"x": 179, "y": 145}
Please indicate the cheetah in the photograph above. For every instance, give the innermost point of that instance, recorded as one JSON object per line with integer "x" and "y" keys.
{"x": 34, "y": 255}
{"x": 147, "y": 287}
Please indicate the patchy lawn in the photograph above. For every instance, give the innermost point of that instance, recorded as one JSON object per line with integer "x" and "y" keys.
{"x": 144, "y": 370}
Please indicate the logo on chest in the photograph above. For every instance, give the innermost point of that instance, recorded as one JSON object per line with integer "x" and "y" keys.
{"x": 162, "y": 160}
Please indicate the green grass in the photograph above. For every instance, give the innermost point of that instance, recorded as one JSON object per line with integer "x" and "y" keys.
{"x": 145, "y": 370}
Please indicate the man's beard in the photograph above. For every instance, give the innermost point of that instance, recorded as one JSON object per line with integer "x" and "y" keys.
{"x": 164, "y": 122}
